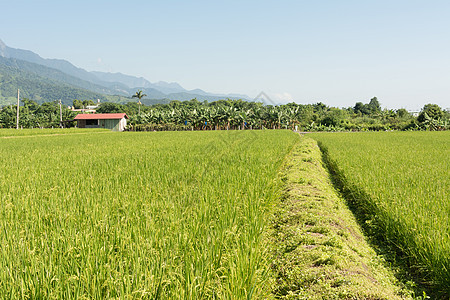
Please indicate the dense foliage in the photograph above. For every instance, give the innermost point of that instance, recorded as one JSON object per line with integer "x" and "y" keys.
{"x": 238, "y": 114}
{"x": 33, "y": 115}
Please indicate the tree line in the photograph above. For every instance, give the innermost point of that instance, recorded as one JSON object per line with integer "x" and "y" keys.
{"x": 235, "y": 114}
{"x": 238, "y": 114}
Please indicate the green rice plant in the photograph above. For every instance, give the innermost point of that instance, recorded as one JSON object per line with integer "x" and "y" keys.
{"x": 36, "y": 131}
{"x": 166, "y": 215}
{"x": 400, "y": 180}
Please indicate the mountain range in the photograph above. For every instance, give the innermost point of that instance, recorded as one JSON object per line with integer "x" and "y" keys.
{"x": 44, "y": 80}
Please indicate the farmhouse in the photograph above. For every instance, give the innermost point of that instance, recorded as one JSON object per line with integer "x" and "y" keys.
{"x": 115, "y": 122}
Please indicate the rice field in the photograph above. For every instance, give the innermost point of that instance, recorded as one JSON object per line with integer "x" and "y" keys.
{"x": 35, "y": 132}
{"x": 403, "y": 179}
{"x": 167, "y": 215}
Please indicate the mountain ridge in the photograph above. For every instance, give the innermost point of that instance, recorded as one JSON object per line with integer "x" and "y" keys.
{"x": 36, "y": 87}
{"x": 110, "y": 83}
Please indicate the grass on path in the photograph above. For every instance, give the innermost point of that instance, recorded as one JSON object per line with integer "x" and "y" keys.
{"x": 319, "y": 250}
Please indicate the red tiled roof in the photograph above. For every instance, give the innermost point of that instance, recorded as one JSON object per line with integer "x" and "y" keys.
{"x": 100, "y": 116}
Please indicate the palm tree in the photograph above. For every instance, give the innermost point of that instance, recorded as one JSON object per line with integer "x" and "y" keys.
{"x": 139, "y": 95}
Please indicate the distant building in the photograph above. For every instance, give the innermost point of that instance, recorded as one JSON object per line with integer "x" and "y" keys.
{"x": 87, "y": 108}
{"x": 115, "y": 122}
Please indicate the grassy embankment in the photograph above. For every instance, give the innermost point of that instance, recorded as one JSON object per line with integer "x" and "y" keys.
{"x": 318, "y": 248}
{"x": 167, "y": 215}
{"x": 398, "y": 184}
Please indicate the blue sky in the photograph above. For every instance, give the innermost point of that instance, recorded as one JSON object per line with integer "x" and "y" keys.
{"x": 337, "y": 52}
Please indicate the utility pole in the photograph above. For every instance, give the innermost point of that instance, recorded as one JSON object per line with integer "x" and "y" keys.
{"x": 17, "y": 123}
{"x": 60, "y": 114}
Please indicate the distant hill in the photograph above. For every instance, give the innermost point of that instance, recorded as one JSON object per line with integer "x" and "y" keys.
{"x": 129, "y": 81}
{"x": 51, "y": 72}
{"x": 170, "y": 89}
{"x": 36, "y": 87}
{"x": 58, "y": 64}
{"x": 56, "y": 75}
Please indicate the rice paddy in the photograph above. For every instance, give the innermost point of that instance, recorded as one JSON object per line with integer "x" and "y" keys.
{"x": 401, "y": 180}
{"x": 88, "y": 214}
{"x": 38, "y": 132}
{"x": 171, "y": 215}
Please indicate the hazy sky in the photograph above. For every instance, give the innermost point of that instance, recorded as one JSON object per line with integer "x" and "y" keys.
{"x": 337, "y": 52}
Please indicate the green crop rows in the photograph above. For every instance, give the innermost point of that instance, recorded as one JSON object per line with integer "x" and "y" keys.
{"x": 173, "y": 215}
{"x": 36, "y": 132}
{"x": 402, "y": 181}
{"x": 182, "y": 215}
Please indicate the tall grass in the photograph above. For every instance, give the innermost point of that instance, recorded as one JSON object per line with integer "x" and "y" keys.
{"x": 170, "y": 215}
{"x": 403, "y": 180}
